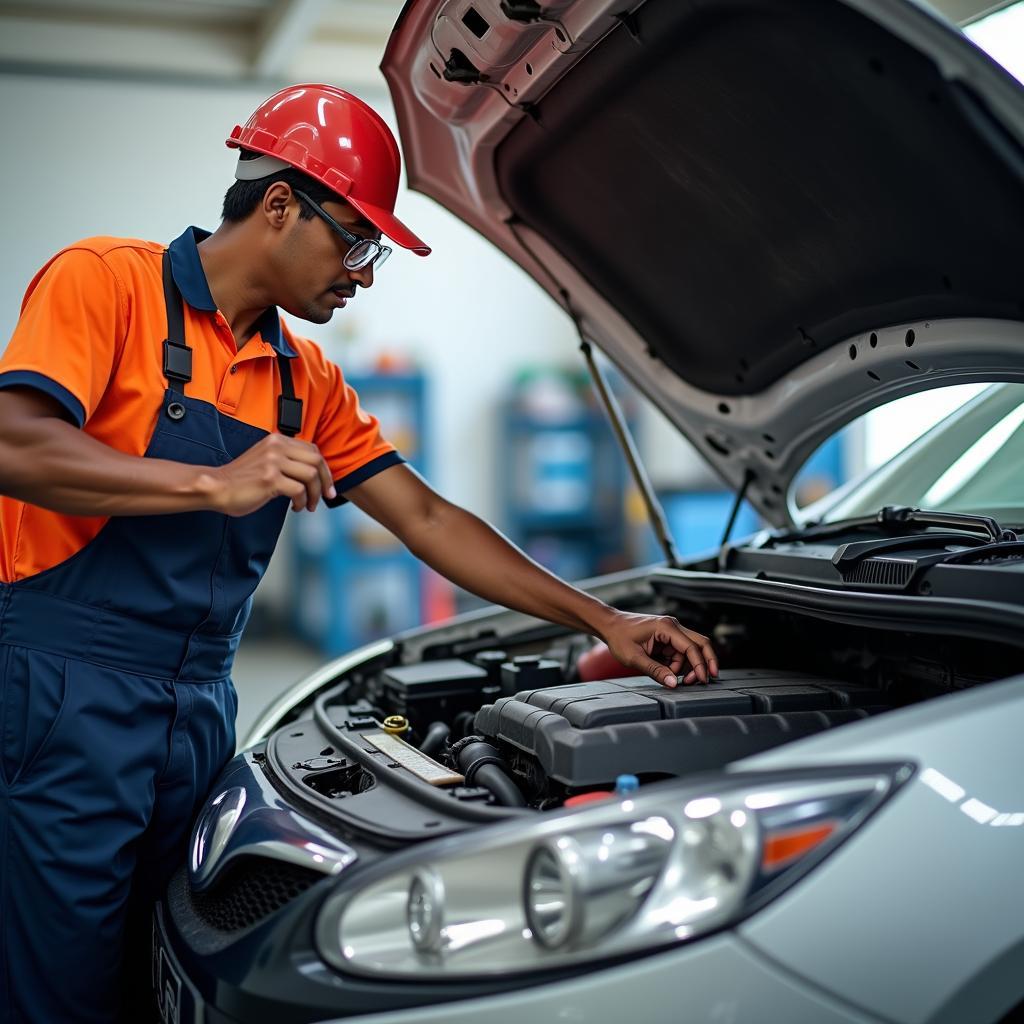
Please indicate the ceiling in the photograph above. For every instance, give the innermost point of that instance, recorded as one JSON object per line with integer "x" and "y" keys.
{"x": 216, "y": 40}
{"x": 229, "y": 40}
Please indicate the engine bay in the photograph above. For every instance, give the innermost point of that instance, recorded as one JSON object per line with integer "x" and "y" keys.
{"x": 484, "y": 723}
{"x": 496, "y": 717}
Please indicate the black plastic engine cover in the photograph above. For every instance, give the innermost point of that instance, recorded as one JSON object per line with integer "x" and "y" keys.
{"x": 588, "y": 733}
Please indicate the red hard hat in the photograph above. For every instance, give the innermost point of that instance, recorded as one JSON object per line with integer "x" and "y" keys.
{"x": 337, "y": 139}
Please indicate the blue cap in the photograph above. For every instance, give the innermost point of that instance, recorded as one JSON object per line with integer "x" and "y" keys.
{"x": 626, "y": 784}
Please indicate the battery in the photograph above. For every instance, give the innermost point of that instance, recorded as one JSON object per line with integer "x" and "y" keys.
{"x": 437, "y": 690}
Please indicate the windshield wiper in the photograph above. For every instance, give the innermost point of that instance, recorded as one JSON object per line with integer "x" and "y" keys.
{"x": 978, "y": 538}
{"x": 899, "y": 514}
{"x": 898, "y": 519}
{"x": 854, "y": 559}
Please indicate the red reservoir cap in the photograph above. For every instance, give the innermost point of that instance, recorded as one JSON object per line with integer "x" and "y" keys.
{"x": 588, "y": 798}
{"x": 600, "y": 663}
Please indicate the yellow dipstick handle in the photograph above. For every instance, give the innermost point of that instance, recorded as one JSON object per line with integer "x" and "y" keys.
{"x": 395, "y": 725}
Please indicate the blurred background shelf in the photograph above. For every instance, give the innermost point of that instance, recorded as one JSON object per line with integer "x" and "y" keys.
{"x": 565, "y": 482}
{"x": 352, "y": 580}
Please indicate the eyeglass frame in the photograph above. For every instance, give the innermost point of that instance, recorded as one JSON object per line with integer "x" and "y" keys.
{"x": 379, "y": 253}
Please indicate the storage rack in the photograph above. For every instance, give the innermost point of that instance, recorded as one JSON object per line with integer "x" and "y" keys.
{"x": 353, "y": 581}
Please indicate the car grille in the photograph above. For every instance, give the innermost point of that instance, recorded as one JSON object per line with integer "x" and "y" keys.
{"x": 251, "y": 890}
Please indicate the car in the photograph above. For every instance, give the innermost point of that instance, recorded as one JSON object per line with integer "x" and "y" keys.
{"x": 773, "y": 218}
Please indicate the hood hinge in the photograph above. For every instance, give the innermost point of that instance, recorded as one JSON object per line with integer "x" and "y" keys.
{"x": 459, "y": 68}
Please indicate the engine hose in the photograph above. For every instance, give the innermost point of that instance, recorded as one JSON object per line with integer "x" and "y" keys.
{"x": 433, "y": 742}
{"x": 483, "y": 765}
{"x": 462, "y": 725}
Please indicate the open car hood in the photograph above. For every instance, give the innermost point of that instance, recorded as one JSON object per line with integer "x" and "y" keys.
{"x": 772, "y": 215}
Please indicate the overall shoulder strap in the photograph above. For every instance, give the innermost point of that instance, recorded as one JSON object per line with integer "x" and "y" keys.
{"x": 177, "y": 355}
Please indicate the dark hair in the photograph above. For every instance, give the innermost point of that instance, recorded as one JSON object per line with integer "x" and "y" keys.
{"x": 244, "y": 196}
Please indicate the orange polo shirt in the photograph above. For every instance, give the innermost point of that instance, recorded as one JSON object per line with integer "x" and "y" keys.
{"x": 91, "y": 335}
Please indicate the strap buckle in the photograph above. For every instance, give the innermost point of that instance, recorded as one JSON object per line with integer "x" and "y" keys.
{"x": 289, "y": 415}
{"x": 177, "y": 361}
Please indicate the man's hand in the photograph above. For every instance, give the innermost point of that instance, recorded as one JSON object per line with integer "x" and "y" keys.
{"x": 274, "y": 467}
{"x": 660, "y": 647}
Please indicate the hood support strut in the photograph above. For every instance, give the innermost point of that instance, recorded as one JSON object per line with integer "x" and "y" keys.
{"x": 748, "y": 479}
{"x": 655, "y": 513}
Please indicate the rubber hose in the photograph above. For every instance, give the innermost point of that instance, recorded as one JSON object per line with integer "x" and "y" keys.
{"x": 505, "y": 791}
{"x": 483, "y": 765}
{"x": 463, "y": 723}
{"x": 433, "y": 742}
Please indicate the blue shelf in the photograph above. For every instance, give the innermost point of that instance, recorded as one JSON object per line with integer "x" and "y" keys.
{"x": 352, "y": 581}
{"x": 563, "y": 492}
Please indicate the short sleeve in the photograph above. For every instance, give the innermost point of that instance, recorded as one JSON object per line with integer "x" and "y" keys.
{"x": 349, "y": 438}
{"x": 73, "y": 322}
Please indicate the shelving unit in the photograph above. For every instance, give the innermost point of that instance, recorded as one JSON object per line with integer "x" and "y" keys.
{"x": 353, "y": 582}
{"x": 564, "y": 489}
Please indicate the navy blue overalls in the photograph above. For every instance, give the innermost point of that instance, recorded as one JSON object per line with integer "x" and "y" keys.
{"x": 117, "y": 713}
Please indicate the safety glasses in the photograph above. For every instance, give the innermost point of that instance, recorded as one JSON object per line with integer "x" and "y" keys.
{"x": 362, "y": 251}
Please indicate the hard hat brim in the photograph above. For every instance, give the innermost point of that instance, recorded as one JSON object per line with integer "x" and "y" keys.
{"x": 389, "y": 226}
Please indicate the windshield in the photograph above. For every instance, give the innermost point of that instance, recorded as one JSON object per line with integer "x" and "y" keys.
{"x": 970, "y": 460}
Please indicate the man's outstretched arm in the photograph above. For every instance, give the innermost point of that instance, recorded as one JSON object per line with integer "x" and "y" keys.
{"x": 472, "y": 554}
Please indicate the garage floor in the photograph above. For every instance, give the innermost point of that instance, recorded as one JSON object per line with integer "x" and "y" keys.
{"x": 266, "y": 668}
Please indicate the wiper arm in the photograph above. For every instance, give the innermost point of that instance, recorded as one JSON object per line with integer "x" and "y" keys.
{"x": 848, "y": 557}
{"x": 899, "y": 514}
{"x": 1001, "y": 549}
{"x": 895, "y": 519}
{"x": 990, "y": 540}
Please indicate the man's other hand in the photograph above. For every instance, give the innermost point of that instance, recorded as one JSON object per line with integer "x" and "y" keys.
{"x": 277, "y": 466}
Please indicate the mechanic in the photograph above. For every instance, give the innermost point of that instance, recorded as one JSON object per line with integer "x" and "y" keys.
{"x": 157, "y": 419}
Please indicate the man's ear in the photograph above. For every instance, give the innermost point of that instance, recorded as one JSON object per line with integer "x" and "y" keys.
{"x": 276, "y": 202}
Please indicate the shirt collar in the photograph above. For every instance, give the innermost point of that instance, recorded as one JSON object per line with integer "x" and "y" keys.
{"x": 189, "y": 276}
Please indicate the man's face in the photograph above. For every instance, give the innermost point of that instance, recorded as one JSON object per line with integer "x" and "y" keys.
{"x": 312, "y": 276}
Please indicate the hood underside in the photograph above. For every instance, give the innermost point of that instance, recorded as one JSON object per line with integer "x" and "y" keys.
{"x": 754, "y": 208}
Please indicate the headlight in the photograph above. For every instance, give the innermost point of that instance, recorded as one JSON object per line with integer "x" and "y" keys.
{"x": 611, "y": 879}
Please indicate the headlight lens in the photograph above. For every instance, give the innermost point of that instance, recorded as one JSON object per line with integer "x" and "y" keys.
{"x": 424, "y": 911}
{"x": 550, "y": 896}
{"x": 610, "y": 879}
{"x": 578, "y": 887}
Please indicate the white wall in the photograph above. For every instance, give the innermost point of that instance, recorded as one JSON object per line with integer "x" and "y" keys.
{"x": 1001, "y": 35}
{"x": 87, "y": 156}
